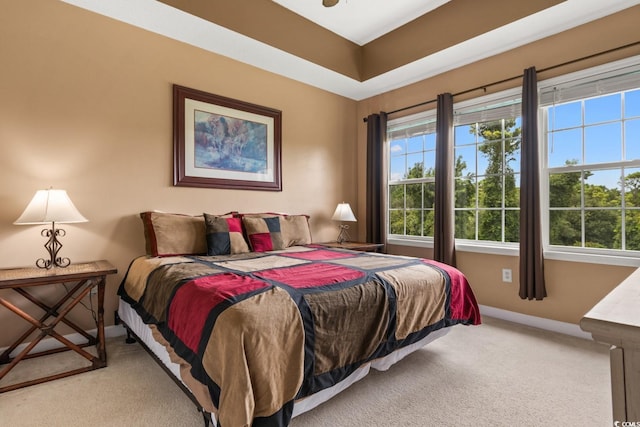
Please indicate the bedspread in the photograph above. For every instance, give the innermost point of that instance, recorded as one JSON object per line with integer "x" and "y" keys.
{"x": 259, "y": 330}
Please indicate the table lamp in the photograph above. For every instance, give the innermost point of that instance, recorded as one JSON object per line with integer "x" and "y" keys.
{"x": 343, "y": 213}
{"x": 51, "y": 206}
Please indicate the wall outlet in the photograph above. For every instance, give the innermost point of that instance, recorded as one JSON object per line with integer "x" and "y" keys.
{"x": 507, "y": 276}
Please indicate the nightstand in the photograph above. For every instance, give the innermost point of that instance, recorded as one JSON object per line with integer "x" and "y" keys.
{"x": 79, "y": 279}
{"x": 354, "y": 246}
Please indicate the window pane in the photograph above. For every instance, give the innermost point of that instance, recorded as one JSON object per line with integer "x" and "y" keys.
{"x": 429, "y": 195}
{"x": 397, "y": 168}
{"x": 564, "y": 190}
{"x": 396, "y": 222}
{"x": 603, "y": 109}
{"x": 512, "y": 226}
{"x": 465, "y": 193}
{"x": 603, "y": 143}
{"x": 429, "y": 163}
{"x": 429, "y": 220}
{"x": 414, "y": 196}
{"x": 398, "y": 146}
{"x": 565, "y": 228}
{"x": 602, "y": 188}
{"x": 490, "y": 225}
{"x": 632, "y": 188}
{"x": 565, "y": 147}
{"x": 512, "y": 190}
{"x": 430, "y": 141}
{"x": 512, "y": 155}
{"x": 632, "y": 230}
{"x": 632, "y": 139}
{"x": 602, "y": 229}
{"x": 414, "y": 144}
{"x": 565, "y": 116}
{"x": 464, "y": 135}
{"x": 414, "y": 223}
{"x": 415, "y": 166}
{"x": 490, "y": 157}
{"x": 490, "y": 192}
{"x": 396, "y": 196}
{"x": 465, "y": 225}
{"x": 632, "y": 104}
{"x": 466, "y": 156}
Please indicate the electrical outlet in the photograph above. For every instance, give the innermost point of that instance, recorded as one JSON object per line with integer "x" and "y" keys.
{"x": 506, "y": 275}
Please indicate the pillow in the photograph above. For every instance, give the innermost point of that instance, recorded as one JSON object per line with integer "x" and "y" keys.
{"x": 168, "y": 234}
{"x": 224, "y": 235}
{"x": 264, "y": 234}
{"x": 295, "y": 228}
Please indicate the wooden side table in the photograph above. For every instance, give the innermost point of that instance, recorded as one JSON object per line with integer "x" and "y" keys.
{"x": 354, "y": 246}
{"x": 81, "y": 279}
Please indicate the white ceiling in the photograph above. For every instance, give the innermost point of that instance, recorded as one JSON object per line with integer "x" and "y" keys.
{"x": 361, "y": 21}
{"x": 162, "y": 19}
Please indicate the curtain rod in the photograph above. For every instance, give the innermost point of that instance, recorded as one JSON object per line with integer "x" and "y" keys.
{"x": 484, "y": 87}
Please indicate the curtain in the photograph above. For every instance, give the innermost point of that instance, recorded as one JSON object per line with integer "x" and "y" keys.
{"x": 531, "y": 256}
{"x": 444, "y": 249}
{"x": 376, "y": 135}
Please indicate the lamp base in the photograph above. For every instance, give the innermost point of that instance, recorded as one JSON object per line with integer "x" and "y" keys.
{"x": 53, "y": 246}
{"x": 343, "y": 236}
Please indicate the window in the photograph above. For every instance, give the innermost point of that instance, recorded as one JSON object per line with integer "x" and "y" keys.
{"x": 487, "y": 169}
{"x": 592, "y": 149}
{"x": 589, "y": 131}
{"x": 412, "y": 162}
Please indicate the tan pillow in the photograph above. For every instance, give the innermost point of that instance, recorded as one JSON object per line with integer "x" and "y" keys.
{"x": 169, "y": 234}
{"x": 295, "y": 230}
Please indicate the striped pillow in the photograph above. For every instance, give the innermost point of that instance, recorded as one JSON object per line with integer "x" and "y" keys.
{"x": 224, "y": 235}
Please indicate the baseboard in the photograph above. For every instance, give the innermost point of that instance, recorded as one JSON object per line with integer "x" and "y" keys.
{"x": 536, "y": 322}
{"x": 76, "y": 338}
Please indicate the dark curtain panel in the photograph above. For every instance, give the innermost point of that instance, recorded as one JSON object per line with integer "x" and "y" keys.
{"x": 444, "y": 248}
{"x": 531, "y": 256}
{"x": 376, "y": 134}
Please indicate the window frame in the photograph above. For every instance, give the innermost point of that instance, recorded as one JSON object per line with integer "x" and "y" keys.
{"x": 607, "y": 256}
{"x": 551, "y": 252}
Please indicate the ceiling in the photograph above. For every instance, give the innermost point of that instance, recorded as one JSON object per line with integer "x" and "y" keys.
{"x": 361, "y": 21}
{"x": 358, "y": 48}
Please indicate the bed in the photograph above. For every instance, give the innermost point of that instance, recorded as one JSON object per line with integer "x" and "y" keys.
{"x": 257, "y": 337}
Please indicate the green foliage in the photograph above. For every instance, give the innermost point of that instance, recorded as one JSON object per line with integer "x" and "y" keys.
{"x": 479, "y": 201}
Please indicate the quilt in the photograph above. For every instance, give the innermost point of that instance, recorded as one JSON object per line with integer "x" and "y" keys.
{"x": 253, "y": 332}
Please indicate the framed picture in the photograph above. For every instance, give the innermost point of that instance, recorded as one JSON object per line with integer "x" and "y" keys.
{"x": 221, "y": 142}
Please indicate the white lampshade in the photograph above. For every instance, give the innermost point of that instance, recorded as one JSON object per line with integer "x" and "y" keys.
{"x": 344, "y": 213}
{"x": 50, "y": 206}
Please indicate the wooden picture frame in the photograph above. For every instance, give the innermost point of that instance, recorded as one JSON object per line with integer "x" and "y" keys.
{"x": 221, "y": 142}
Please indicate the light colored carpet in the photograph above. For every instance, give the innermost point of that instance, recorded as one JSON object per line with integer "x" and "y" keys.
{"x": 497, "y": 374}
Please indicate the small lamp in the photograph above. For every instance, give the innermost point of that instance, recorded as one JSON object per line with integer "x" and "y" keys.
{"x": 52, "y": 206}
{"x": 343, "y": 213}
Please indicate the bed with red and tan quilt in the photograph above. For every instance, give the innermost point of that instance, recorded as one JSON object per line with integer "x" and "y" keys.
{"x": 257, "y": 333}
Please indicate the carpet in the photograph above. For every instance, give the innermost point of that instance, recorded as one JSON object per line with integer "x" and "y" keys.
{"x": 496, "y": 374}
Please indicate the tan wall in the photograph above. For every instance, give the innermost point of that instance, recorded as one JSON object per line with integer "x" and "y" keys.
{"x": 573, "y": 288}
{"x": 86, "y": 105}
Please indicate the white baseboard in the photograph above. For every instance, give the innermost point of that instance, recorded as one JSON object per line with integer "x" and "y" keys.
{"x": 536, "y": 322}
{"x": 76, "y": 338}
